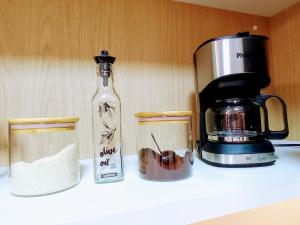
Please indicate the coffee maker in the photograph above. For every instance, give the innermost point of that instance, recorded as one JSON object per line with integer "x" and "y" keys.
{"x": 233, "y": 115}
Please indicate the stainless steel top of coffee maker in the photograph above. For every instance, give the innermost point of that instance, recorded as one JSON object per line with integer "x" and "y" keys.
{"x": 231, "y": 55}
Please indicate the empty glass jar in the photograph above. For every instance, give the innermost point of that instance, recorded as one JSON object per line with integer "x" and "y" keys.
{"x": 43, "y": 155}
{"x": 165, "y": 145}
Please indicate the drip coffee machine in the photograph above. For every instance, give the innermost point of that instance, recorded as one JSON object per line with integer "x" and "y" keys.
{"x": 234, "y": 119}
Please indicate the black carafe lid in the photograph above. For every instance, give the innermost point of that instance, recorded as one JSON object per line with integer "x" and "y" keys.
{"x": 104, "y": 57}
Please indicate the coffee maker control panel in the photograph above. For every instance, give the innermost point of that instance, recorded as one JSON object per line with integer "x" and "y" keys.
{"x": 239, "y": 159}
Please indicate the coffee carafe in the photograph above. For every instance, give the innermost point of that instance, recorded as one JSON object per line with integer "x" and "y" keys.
{"x": 233, "y": 115}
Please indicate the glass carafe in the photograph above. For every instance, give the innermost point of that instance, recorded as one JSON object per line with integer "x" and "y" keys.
{"x": 242, "y": 120}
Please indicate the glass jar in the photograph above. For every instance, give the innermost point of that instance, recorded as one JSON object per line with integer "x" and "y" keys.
{"x": 43, "y": 155}
{"x": 165, "y": 145}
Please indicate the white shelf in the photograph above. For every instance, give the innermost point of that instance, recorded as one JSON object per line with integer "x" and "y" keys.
{"x": 211, "y": 192}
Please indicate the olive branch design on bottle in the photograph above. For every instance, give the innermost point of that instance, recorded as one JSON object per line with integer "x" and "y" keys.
{"x": 104, "y": 107}
{"x": 107, "y": 135}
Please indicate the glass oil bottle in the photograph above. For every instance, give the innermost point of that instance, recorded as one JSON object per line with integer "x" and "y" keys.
{"x": 106, "y": 119}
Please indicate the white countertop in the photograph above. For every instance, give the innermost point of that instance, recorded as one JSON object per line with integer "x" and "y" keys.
{"x": 211, "y": 192}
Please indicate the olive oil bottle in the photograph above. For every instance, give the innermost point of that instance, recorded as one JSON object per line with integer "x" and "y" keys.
{"x": 106, "y": 119}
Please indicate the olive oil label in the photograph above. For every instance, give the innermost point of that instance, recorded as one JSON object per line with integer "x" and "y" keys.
{"x": 107, "y": 161}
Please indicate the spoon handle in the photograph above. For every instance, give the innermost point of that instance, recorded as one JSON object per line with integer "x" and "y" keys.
{"x": 156, "y": 143}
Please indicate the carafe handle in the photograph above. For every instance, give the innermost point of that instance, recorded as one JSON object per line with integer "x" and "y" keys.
{"x": 269, "y": 134}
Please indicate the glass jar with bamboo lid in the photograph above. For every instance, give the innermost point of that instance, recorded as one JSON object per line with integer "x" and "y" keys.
{"x": 165, "y": 145}
{"x": 43, "y": 155}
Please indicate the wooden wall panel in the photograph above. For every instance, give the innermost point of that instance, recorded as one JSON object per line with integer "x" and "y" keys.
{"x": 285, "y": 42}
{"x": 47, "y": 49}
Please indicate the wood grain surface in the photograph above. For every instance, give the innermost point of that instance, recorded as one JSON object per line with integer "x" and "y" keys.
{"x": 47, "y": 49}
{"x": 285, "y": 43}
{"x": 280, "y": 213}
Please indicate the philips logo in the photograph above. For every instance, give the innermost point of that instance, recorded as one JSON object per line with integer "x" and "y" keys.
{"x": 244, "y": 55}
